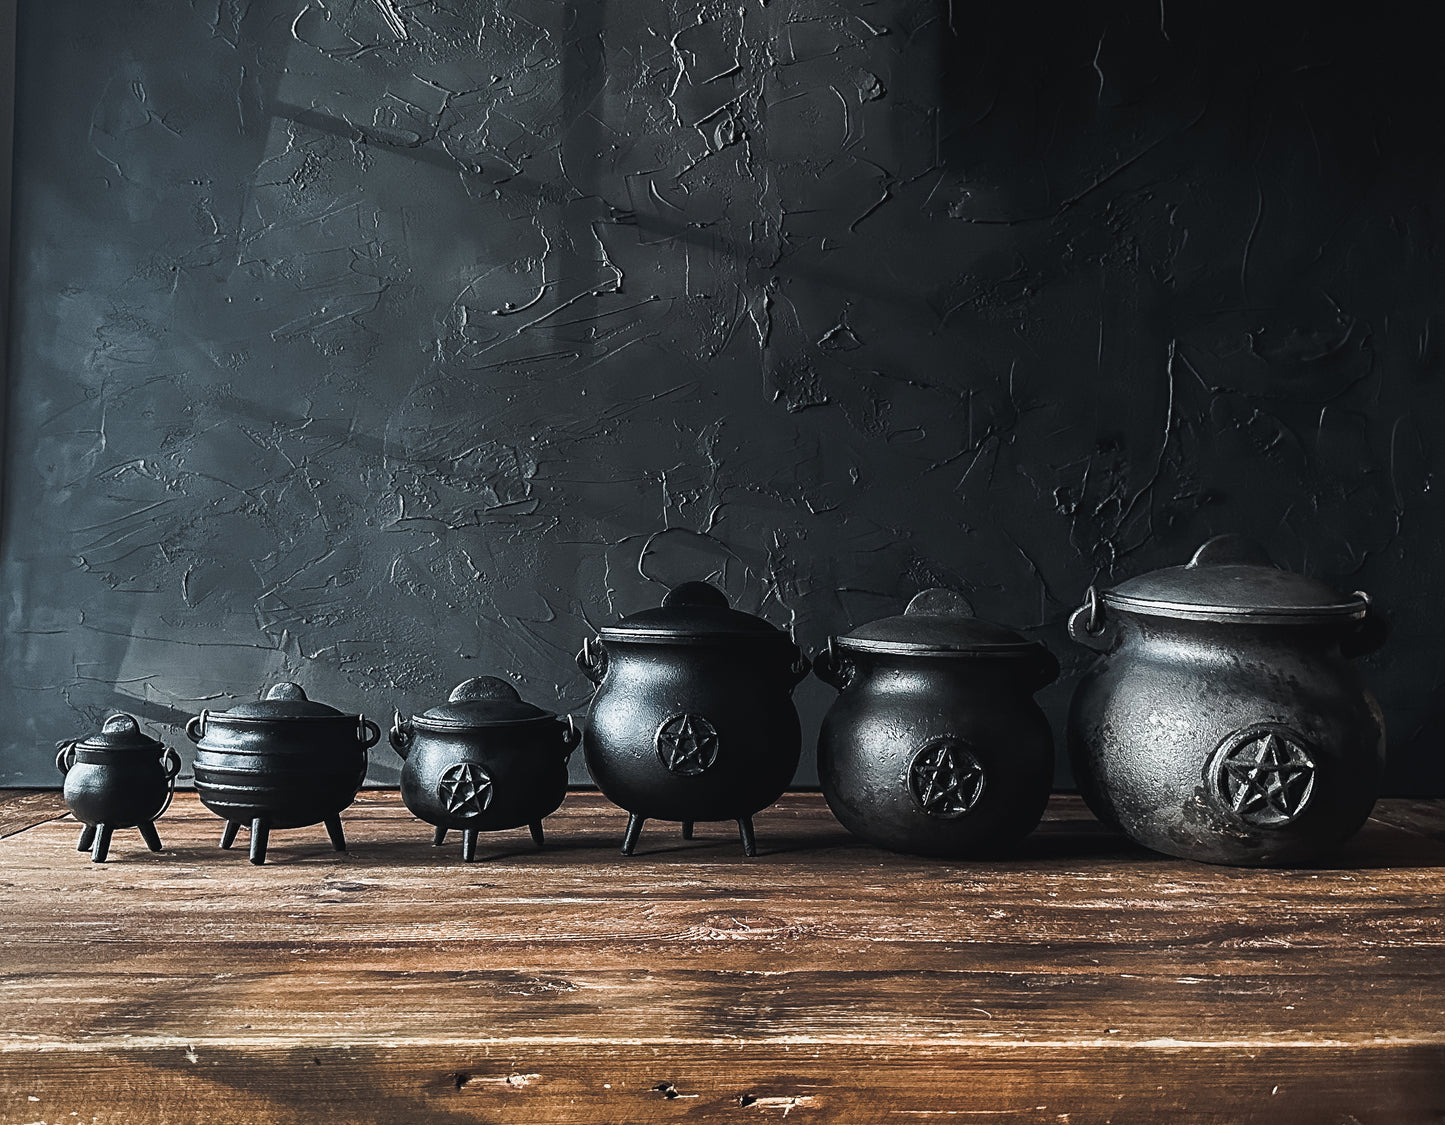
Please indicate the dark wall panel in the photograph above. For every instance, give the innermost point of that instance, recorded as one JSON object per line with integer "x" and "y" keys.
{"x": 379, "y": 344}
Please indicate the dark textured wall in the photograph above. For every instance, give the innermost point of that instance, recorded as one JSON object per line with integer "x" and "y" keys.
{"x": 380, "y": 344}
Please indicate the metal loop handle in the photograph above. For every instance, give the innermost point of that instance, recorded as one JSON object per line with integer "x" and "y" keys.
{"x": 172, "y": 762}
{"x": 367, "y": 732}
{"x": 834, "y": 670}
{"x": 65, "y": 755}
{"x": 399, "y": 736}
{"x": 196, "y": 727}
{"x": 1087, "y": 624}
{"x": 592, "y": 662}
{"x": 572, "y": 736}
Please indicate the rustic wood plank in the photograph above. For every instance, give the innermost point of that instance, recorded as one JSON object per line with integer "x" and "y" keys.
{"x": 25, "y": 808}
{"x": 1423, "y": 816}
{"x": 824, "y": 979}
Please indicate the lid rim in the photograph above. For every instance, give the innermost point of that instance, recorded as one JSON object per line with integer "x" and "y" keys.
{"x": 625, "y": 633}
{"x": 1273, "y": 614}
{"x": 458, "y": 726}
{"x": 916, "y": 648}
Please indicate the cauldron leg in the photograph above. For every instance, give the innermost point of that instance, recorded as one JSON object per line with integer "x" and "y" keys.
{"x": 469, "y": 844}
{"x": 149, "y": 834}
{"x": 102, "y": 843}
{"x": 440, "y": 838}
{"x": 228, "y": 834}
{"x": 745, "y": 830}
{"x": 537, "y": 836}
{"x": 333, "y": 829}
{"x": 634, "y": 831}
{"x": 260, "y": 833}
{"x": 687, "y": 830}
{"x": 87, "y": 837}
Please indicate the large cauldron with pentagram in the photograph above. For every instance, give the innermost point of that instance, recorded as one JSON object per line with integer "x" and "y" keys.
{"x": 935, "y": 745}
{"x": 693, "y": 718}
{"x": 1226, "y": 719}
{"x": 483, "y": 761}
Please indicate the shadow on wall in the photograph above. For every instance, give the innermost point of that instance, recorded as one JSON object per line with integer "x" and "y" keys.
{"x": 376, "y": 346}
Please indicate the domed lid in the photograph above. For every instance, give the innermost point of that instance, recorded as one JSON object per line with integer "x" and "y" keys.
{"x": 936, "y": 622}
{"x": 1231, "y": 578}
{"x": 483, "y": 701}
{"x": 690, "y": 612}
{"x": 283, "y": 701}
{"x": 120, "y": 732}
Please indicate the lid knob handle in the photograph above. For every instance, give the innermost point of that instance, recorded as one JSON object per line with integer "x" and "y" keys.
{"x": 939, "y": 603}
{"x": 121, "y": 724}
{"x": 482, "y": 688}
{"x": 1231, "y": 548}
{"x": 696, "y": 593}
{"x": 288, "y": 691}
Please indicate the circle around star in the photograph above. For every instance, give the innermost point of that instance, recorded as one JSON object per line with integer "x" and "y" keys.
{"x": 687, "y": 744}
{"x": 945, "y": 778}
{"x": 465, "y": 789}
{"x": 1263, "y": 775}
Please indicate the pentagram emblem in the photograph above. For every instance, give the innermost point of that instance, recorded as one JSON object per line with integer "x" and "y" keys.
{"x": 465, "y": 789}
{"x": 1263, "y": 774}
{"x": 946, "y": 778}
{"x": 687, "y": 744}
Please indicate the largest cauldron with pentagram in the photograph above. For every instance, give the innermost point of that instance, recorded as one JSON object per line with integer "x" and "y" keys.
{"x": 935, "y": 745}
{"x": 1226, "y": 719}
{"x": 693, "y": 718}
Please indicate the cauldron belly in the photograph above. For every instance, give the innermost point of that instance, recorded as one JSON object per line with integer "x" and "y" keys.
{"x": 484, "y": 793}
{"x": 692, "y": 758}
{"x": 285, "y": 797}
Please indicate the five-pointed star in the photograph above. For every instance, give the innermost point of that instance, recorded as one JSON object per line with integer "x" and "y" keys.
{"x": 1268, "y": 779}
{"x": 947, "y": 780}
{"x": 465, "y": 789}
{"x": 688, "y": 744}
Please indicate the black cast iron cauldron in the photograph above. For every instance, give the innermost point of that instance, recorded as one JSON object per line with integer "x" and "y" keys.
{"x": 693, "y": 718}
{"x": 282, "y": 762}
{"x": 484, "y": 761}
{"x": 1226, "y": 721}
{"x": 118, "y": 778}
{"x": 935, "y": 745}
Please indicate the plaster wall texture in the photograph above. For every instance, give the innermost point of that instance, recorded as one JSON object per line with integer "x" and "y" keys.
{"x": 376, "y": 344}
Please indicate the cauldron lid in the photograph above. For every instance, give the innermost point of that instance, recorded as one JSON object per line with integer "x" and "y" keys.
{"x": 120, "y": 732}
{"x": 936, "y": 621}
{"x": 691, "y": 611}
{"x": 283, "y": 701}
{"x": 1231, "y": 578}
{"x": 483, "y": 701}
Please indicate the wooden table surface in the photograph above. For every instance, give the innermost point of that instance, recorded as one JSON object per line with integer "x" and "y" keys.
{"x": 824, "y": 981}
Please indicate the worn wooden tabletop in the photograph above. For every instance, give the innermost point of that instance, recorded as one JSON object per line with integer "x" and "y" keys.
{"x": 824, "y": 981}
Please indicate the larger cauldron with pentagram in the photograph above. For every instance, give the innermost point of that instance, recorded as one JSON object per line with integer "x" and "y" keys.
{"x": 483, "y": 761}
{"x": 935, "y": 745}
{"x": 693, "y": 717}
{"x": 1226, "y": 720}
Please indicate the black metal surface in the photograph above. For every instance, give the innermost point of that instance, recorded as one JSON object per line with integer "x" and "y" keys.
{"x": 935, "y": 745}
{"x": 282, "y": 762}
{"x": 692, "y": 722}
{"x": 118, "y": 777}
{"x": 483, "y": 762}
{"x": 1244, "y": 742}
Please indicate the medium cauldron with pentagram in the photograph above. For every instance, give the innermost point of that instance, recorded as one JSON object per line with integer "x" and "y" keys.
{"x": 693, "y": 717}
{"x": 484, "y": 761}
{"x": 935, "y": 745}
{"x": 1227, "y": 720}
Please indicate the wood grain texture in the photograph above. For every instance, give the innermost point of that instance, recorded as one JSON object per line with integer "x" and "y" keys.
{"x": 1084, "y": 980}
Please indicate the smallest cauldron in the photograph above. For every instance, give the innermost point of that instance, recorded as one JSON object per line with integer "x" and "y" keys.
{"x": 119, "y": 778}
{"x": 935, "y": 745}
{"x": 483, "y": 761}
